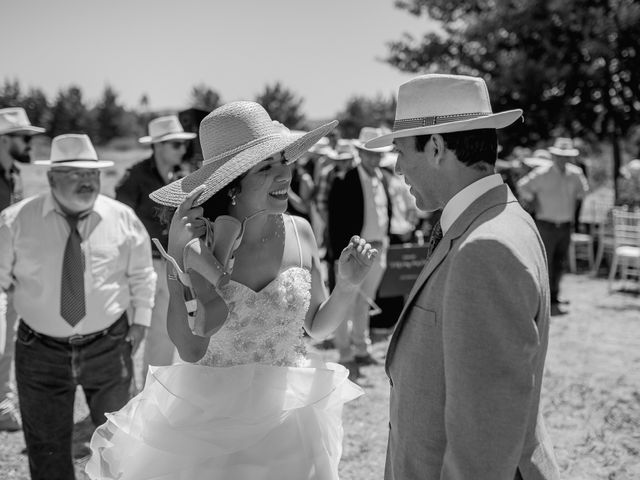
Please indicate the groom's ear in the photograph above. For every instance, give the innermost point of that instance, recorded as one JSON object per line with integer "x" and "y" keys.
{"x": 437, "y": 146}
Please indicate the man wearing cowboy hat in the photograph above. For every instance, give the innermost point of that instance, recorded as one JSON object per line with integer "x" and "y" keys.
{"x": 168, "y": 141}
{"x": 555, "y": 189}
{"x": 465, "y": 361}
{"x": 359, "y": 204}
{"x": 77, "y": 261}
{"x": 15, "y": 146}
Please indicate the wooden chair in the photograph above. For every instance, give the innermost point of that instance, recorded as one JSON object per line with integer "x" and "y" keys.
{"x": 580, "y": 248}
{"x": 626, "y": 251}
{"x": 602, "y": 230}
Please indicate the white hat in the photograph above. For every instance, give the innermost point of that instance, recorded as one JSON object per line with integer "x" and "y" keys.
{"x": 344, "y": 150}
{"x": 438, "y": 103}
{"x": 564, "y": 147}
{"x": 73, "y": 150}
{"x": 234, "y": 138}
{"x": 540, "y": 158}
{"x": 15, "y": 120}
{"x": 166, "y": 128}
{"x": 369, "y": 133}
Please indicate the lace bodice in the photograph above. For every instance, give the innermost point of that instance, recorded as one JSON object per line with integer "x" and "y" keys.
{"x": 263, "y": 327}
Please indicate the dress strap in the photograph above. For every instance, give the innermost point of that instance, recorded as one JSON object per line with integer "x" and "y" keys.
{"x": 295, "y": 230}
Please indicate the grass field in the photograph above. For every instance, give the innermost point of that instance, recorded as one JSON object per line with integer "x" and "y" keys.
{"x": 590, "y": 398}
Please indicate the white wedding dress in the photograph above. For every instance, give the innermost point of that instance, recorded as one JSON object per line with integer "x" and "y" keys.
{"x": 254, "y": 407}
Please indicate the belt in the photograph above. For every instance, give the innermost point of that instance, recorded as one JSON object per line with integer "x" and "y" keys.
{"x": 555, "y": 224}
{"x": 76, "y": 338}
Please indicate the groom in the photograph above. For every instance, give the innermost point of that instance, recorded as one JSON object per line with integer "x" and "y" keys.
{"x": 465, "y": 361}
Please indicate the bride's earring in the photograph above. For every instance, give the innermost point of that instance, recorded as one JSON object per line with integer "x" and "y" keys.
{"x": 233, "y": 197}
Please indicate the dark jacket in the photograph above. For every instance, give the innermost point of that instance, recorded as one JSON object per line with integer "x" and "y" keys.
{"x": 346, "y": 210}
{"x": 8, "y": 181}
{"x": 134, "y": 189}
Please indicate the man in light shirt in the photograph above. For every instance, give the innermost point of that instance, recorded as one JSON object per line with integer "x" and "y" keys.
{"x": 555, "y": 190}
{"x": 76, "y": 260}
{"x": 16, "y": 132}
{"x": 466, "y": 359}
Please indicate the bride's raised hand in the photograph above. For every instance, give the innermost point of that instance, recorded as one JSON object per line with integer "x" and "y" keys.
{"x": 186, "y": 224}
{"x": 355, "y": 261}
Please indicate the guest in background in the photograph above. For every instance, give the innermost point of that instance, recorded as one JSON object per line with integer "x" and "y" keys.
{"x": 555, "y": 189}
{"x": 15, "y": 147}
{"x": 77, "y": 260}
{"x": 168, "y": 141}
{"x": 359, "y": 204}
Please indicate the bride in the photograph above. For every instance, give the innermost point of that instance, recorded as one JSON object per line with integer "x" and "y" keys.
{"x": 248, "y": 403}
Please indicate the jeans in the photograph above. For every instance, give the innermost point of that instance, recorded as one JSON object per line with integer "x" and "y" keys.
{"x": 351, "y": 338}
{"x": 556, "y": 239}
{"x": 47, "y": 374}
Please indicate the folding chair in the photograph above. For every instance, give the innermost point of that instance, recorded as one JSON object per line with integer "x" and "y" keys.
{"x": 626, "y": 251}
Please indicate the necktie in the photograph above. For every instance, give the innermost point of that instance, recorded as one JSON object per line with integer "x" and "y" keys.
{"x": 434, "y": 239}
{"x": 72, "y": 302}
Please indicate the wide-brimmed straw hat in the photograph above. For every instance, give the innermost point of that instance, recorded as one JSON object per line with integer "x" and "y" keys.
{"x": 235, "y": 138}
{"x": 564, "y": 147}
{"x": 163, "y": 129}
{"x": 73, "y": 150}
{"x": 369, "y": 133}
{"x": 438, "y": 103}
{"x": 15, "y": 120}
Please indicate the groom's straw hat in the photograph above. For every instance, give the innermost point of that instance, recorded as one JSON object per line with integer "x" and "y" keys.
{"x": 73, "y": 150}
{"x": 438, "y": 103}
{"x": 235, "y": 138}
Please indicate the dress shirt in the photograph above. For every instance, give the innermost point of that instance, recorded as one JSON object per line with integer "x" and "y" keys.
{"x": 376, "y": 214}
{"x": 465, "y": 197}
{"x": 118, "y": 274}
{"x": 555, "y": 192}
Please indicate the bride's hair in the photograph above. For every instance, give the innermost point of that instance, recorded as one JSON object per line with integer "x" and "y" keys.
{"x": 215, "y": 206}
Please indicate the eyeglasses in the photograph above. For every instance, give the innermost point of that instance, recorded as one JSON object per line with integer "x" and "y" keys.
{"x": 25, "y": 138}
{"x": 78, "y": 173}
{"x": 177, "y": 145}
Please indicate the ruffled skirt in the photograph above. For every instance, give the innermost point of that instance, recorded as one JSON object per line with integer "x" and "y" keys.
{"x": 255, "y": 422}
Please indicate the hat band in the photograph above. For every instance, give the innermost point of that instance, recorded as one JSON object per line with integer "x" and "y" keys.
{"x": 407, "y": 123}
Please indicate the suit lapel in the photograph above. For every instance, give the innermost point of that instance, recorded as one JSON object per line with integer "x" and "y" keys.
{"x": 500, "y": 195}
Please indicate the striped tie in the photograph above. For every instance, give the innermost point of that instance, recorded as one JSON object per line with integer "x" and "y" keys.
{"x": 434, "y": 239}
{"x": 72, "y": 301}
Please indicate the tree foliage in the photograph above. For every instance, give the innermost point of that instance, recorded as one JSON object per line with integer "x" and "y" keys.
{"x": 70, "y": 114}
{"x": 205, "y": 98}
{"x": 572, "y": 65}
{"x": 109, "y": 117}
{"x": 361, "y": 112}
{"x": 283, "y": 105}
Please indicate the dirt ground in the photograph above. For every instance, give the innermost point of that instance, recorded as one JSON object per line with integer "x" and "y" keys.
{"x": 591, "y": 395}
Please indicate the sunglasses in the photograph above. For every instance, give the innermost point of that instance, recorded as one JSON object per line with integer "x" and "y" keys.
{"x": 25, "y": 138}
{"x": 177, "y": 145}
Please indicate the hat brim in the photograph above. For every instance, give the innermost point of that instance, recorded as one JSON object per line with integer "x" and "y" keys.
{"x": 566, "y": 152}
{"x": 215, "y": 175}
{"x": 31, "y": 130}
{"x": 169, "y": 136}
{"x": 363, "y": 146}
{"x": 495, "y": 120}
{"x": 76, "y": 163}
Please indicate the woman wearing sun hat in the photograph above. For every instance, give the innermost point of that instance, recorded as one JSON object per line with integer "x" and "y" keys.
{"x": 245, "y": 283}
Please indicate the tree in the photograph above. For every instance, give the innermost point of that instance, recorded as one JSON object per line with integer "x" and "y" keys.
{"x": 204, "y": 98}
{"x": 109, "y": 118}
{"x": 10, "y": 94}
{"x": 283, "y": 105}
{"x": 572, "y": 65}
{"x": 361, "y": 112}
{"x": 37, "y": 106}
{"x": 69, "y": 113}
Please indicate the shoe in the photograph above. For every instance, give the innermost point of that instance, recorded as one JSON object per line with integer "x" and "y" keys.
{"x": 365, "y": 360}
{"x": 556, "y": 310}
{"x": 563, "y": 302}
{"x": 10, "y": 422}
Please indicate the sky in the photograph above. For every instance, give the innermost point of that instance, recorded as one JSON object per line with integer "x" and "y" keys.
{"x": 325, "y": 51}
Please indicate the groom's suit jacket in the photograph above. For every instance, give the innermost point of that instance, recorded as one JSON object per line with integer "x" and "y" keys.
{"x": 465, "y": 361}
